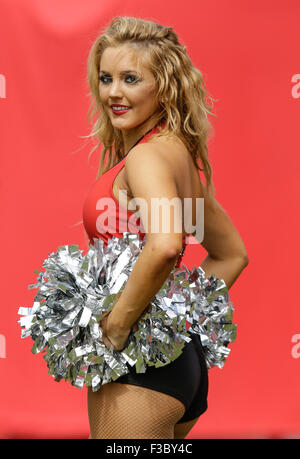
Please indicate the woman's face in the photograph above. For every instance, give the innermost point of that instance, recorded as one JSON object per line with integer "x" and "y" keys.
{"x": 120, "y": 83}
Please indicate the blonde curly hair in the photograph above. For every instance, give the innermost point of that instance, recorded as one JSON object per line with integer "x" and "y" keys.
{"x": 181, "y": 93}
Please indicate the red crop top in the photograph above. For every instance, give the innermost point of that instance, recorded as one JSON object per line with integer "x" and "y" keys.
{"x": 104, "y": 216}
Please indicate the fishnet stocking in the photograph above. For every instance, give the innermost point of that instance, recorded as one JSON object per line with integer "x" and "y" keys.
{"x": 118, "y": 411}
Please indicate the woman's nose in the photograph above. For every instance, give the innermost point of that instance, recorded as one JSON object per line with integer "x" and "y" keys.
{"x": 115, "y": 89}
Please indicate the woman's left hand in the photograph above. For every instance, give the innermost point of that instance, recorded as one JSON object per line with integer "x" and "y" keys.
{"x": 112, "y": 337}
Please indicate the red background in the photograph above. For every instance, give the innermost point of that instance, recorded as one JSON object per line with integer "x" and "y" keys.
{"x": 248, "y": 53}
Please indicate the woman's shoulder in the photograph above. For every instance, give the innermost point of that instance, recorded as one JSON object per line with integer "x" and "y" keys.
{"x": 168, "y": 140}
{"x": 171, "y": 147}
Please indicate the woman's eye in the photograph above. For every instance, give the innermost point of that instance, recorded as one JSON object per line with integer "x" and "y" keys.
{"x": 132, "y": 81}
{"x": 135, "y": 80}
{"x": 102, "y": 78}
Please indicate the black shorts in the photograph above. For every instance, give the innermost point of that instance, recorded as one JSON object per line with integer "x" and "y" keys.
{"x": 186, "y": 378}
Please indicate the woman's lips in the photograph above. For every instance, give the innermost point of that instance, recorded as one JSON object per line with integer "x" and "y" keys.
{"x": 120, "y": 112}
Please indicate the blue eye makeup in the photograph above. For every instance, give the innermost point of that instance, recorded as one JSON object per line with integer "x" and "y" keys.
{"x": 105, "y": 79}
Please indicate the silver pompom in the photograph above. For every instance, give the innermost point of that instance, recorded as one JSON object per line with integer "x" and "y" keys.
{"x": 75, "y": 292}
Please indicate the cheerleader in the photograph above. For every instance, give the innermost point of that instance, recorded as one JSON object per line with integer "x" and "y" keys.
{"x": 151, "y": 111}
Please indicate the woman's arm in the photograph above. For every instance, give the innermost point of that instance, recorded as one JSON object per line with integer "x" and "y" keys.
{"x": 150, "y": 271}
{"x": 227, "y": 255}
{"x": 229, "y": 269}
{"x": 149, "y": 176}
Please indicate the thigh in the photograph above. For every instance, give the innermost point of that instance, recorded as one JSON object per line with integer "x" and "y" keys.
{"x": 119, "y": 411}
{"x": 181, "y": 430}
